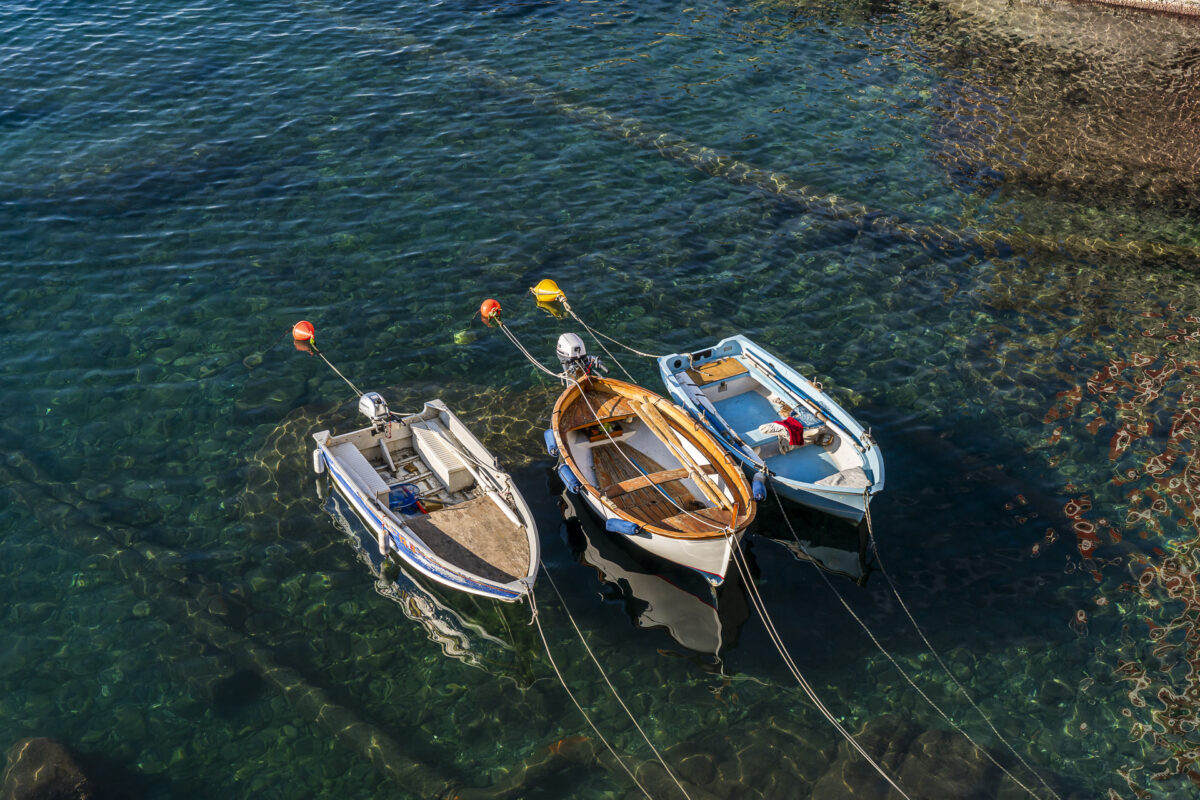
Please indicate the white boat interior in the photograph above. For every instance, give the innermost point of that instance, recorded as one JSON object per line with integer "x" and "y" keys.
{"x": 745, "y": 403}
{"x": 470, "y": 523}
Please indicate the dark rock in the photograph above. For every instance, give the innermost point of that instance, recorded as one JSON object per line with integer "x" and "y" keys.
{"x": 933, "y": 763}
{"x": 44, "y": 769}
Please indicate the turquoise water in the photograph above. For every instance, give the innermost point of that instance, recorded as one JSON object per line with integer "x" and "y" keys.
{"x": 953, "y": 223}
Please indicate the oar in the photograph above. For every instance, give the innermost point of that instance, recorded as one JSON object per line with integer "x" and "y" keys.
{"x": 653, "y": 418}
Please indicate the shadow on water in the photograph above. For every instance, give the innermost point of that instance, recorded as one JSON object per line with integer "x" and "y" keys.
{"x": 655, "y": 595}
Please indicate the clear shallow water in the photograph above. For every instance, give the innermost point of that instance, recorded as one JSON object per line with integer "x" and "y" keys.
{"x": 180, "y": 184}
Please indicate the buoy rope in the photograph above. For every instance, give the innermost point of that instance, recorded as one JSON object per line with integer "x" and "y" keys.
{"x": 335, "y": 369}
{"x": 598, "y": 335}
{"x": 542, "y": 633}
{"x": 760, "y": 608}
{"x": 929, "y": 646}
{"x": 596, "y": 416}
{"x": 611, "y": 688}
{"x": 595, "y": 336}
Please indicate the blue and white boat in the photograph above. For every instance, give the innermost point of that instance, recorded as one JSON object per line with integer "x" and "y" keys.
{"x": 434, "y": 497}
{"x": 772, "y": 418}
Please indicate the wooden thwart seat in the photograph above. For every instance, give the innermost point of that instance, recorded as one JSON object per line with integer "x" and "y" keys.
{"x": 653, "y": 479}
{"x": 709, "y": 518}
{"x": 647, "y": 501}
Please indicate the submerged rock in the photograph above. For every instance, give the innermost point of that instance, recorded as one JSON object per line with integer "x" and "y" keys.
{"x": 44, "y": 769}
{"x": 932, "y": 763}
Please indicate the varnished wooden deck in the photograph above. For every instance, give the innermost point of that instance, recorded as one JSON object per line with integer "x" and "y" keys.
{"x": 477, "y": 537}
{"x": 646, "y": 503}
{"x": 715, "y": 371}
{"x": 608, "y": 406}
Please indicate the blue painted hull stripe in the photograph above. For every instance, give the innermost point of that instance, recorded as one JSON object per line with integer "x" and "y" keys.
{"x": 412, "y": 556}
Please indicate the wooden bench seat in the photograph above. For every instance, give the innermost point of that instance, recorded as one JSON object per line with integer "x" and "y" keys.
{"x": 653, "y": 479}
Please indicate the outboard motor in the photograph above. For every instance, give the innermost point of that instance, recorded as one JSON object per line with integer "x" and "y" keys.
{"x": 372, "y": 406}
{"x": 572, "y": 355}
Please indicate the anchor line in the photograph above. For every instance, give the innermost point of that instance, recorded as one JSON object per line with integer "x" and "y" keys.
{"x": 929, "y": 646}
{"x": 760, "y": 607}
{"x": 335, "y": 369}
{"x": 752, "y": 590}
{"x": 542, "y": 633}
{"x": 905, "y": 675}
{"x": 612, "y": 688}
{"x": 597, "y": 335}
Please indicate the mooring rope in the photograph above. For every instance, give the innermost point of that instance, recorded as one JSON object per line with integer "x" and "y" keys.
{"x": 335, "y": 369}
{"x": 545, "y": 642}
{"x": 760, "y": 608}
{"x": 752, "y": 591}
{"x": 597, "y": 335}
{"x": 611, "y": 688}
{"x": 903, "y": 672}
{"x": 929, "y": 646}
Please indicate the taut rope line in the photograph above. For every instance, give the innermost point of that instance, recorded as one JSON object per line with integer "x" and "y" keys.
{"x": 537, "y": 621}
{"x": 612, "y": 688}
{"x": 929, "y": 646}
{"x": 769, "y": 624}
{"x": 905, "y": 675}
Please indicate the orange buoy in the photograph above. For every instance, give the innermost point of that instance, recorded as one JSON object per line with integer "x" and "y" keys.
{"x": 303, "y": 331}
{"x": 489, "y": 310}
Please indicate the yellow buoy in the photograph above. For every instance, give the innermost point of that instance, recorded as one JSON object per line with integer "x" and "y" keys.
{"x": 547, "y": 291}
{"x": 554, "y": 309}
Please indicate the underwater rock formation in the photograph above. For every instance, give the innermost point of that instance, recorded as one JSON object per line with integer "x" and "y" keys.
{"x": 44, "y": 769}
{"x": 931, "y": 763}
{"x": 1100, "y": 106}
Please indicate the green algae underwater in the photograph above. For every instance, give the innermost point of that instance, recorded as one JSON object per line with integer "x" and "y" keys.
{"x": 976, "y": 224}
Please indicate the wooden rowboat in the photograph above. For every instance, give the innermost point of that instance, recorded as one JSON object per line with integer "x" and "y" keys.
{"x": 650, "y": 472}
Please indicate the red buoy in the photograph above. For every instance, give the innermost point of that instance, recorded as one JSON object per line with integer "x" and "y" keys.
{"x": 489, "y": 309}
{"x": 303, "y": 331}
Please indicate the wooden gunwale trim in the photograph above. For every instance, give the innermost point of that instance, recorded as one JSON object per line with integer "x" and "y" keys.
{"x": 686, "y": 427}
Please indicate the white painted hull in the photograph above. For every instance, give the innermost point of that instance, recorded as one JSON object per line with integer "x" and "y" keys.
{"x": 709, "y": 557}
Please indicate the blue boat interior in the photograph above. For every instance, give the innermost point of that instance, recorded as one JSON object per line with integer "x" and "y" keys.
{"x": 746, "y": 411}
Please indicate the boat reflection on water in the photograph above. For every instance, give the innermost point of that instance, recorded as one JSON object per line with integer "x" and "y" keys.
{"x": 472, "y": 629}
{"x": 818, "y": 539}
{"x": 657, "y": 594}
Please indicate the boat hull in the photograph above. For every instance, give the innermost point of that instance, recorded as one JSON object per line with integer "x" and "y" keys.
{"x": 709, "y": 557}
{"x": 705, "y": 551}
{"x": 397, "y": 538}
{"x": 846, "y": 503}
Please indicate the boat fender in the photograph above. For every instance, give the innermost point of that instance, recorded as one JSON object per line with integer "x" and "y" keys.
{"x": 551, "y": 445}
{"x": 614, "y": 525}
{"x": 318, "y": 462}
{"x": 760, "y": 486}
{"x": 568, "y": 478}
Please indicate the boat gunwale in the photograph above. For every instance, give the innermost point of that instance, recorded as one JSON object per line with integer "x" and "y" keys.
{"x": 869, "y": 455}
{"x": 414, "y": 550}
{"x": 727, "y": 468}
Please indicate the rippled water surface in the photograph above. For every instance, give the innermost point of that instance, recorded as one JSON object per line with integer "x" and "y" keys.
{"x": 975, "y": 222}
